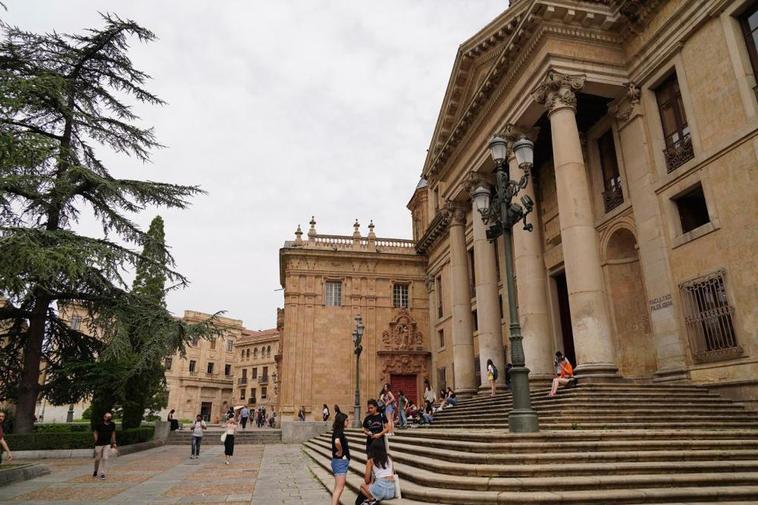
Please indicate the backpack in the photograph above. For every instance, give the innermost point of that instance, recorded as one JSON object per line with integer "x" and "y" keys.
{"x": 494, "y": 372}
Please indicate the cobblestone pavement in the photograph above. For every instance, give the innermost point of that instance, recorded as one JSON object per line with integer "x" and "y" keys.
{"x": 259, "y": 475}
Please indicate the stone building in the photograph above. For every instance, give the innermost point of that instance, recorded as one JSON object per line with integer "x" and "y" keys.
{"x": 255, "y": 372}
{"x": 327, "y": 281}
{"x": 642, "y": 263}
{"x": 202, "y": 381}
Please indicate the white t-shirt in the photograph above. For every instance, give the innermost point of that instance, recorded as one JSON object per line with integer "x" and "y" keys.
{"x": 491, "y": 369}
{"x": 429, "y": 395}
{"x": 197, "y": 428}
{"x": 325, "y": 411}
{"x": 380, "y": 473}
{"x": 231, "y": 428}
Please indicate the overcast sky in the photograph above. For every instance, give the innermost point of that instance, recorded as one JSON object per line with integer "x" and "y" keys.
{"x": 280, "y": 110}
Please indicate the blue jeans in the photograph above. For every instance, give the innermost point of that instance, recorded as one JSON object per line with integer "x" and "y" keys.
{"x": 340, "y": 466}
{"x": 403, "y": 418}
{"x": 196, "y": 445}
{"x": 382, "y": 489}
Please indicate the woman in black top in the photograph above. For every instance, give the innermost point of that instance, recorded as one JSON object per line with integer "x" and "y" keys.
{"x": 340, "y": 456}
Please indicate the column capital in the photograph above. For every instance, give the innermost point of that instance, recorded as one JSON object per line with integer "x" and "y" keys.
{"x": 513, "y": 132}
{"x": 558, "y": 91}
{"x": 474, "y": 180}
{"x": 457, "y": 213}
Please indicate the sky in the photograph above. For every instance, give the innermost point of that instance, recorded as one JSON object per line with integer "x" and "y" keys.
{"x": 280, "y": 110}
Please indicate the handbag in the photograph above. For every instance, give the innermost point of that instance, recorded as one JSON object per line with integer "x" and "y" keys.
{"x": 398, "y": 494}
{"x": 223, "y": 437}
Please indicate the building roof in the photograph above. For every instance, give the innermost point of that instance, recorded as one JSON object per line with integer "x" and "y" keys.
{"x": 253, "y": 336}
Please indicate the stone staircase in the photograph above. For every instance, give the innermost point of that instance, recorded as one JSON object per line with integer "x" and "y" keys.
{"x": 213, "y": 436}
{"x": 599, "y": 444}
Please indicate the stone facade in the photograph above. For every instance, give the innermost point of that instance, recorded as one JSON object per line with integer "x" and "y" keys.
{"x": 255, "y": 369}
{"x": 328, "y": 280}
{"x": 642, "y": 263}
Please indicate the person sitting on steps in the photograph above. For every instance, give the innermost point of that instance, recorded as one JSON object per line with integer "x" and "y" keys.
{"x": 379, "y": 477}
{"x": 564, "y": 372}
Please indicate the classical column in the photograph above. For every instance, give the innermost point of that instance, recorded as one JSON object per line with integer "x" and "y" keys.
{"x": 531, "y": 284}
{"x": 463, "y": 338}
{"x": 487, "y": 301}
{"x": 589, "y": 315}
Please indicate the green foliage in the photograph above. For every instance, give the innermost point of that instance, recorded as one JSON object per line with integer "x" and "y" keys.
{"x": 87, "y": 414}
{"x": 62, "y": 98}
{"x": 62, "y": 427}
{"x": 73, "y": 439}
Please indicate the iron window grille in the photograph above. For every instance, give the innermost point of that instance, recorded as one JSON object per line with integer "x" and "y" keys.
{"x": 709, "y": 318}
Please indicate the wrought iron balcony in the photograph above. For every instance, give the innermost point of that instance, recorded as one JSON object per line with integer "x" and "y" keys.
{"x": 263, "y": 379}
{"x": 679, "y": 153}
{"x": 242, "y": 380}
{"x": 613, "y": 197}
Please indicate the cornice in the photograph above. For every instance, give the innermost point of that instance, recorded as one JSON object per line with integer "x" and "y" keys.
{"x": 434, "y": 231}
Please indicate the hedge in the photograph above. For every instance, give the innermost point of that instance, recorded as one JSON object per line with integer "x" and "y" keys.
{"x": 72, "y": 440}
{"x": 62, "y": 427}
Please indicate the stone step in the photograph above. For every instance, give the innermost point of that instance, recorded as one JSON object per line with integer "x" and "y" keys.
{"x": 587, "y": 402}
{"x": 739, "y": 451}
{"x": 508, "y": 473}
{"x": 428, "y": 487}
{"x": 577, "y": 393}
{"x": 503, "y": 425}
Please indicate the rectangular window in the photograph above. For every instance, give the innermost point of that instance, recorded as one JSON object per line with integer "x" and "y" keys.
{"x": 613, "y": 196}
{"x": 500, "y": 304}
{"x": 192, "y": 365}
{"x": 471, "y": 273}
{"x": 252, "y": 396}
{"x": 195, "y": 341}
{"x": 244, "y": 373}
{"x": 242, "y": 393}
{"x": 693, "y": 211}
{"x": 441, "y": 378}
{"x": 400, "y": 296}
{"x": 264, "y": 376}
{"x": 709, "y": 318}
{"x": 228, "y": 370}
{"x": 749, "y": 22}
{"x": 229, "y": 345}
{"x": 474, "y": 315}
{"x": 210, "y": 368}
{"x": 213, "y": 344}
{"x": 76, "y": 323}
{"x": 167, "y": 363}
{"x": 264, "y": 391}
{"x": 441, "y": 335}
{"x": 440, "y": 310}
{"x": 255, "y": 373}
{"x": 333, "y": 293}
{"x": 676, "y": 131}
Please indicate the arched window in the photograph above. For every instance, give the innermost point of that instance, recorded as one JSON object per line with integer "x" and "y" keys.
{"x": 268, "y": 352}
{"x": 255, "y": 353}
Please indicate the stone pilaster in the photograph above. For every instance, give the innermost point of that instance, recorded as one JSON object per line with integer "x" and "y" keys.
{"x": 590, "y": 320}
{"x": 463, "y": 339}
{"x": 487, "y": 300}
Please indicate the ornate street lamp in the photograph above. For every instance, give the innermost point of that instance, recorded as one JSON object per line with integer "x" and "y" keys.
{"x": 501, "y": 213}
{"x": 358, "y": 348}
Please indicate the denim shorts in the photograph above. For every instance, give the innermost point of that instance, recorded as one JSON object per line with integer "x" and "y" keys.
{"x": 382, "y": 489}
{"x": 339, "y": 466}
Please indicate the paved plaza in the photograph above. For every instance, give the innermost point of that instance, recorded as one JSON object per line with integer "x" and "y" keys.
{"x": 259, "y": 475}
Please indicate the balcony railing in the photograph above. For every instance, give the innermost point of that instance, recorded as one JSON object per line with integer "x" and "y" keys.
{"x": 263, "y": 379}
{"x": 613, "y": 197}
{"x": 242, "y": 380}
{"x": 193, "y": 373}
{"x": 679, "y": 153}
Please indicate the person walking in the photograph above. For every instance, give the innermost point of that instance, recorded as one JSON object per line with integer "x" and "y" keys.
{"x": 379, "y": 478}
{"x": 3, "y": 443}
{"x": 197, "y": 436}
{"x": 301, "y": 413}
{"x": 231, "y": 429}
{"x": 564, "y": 372}
{"x": 104, "y": 436}
{"x": 491, "y": 376}
{"x": 244, "y": 416}
{"x": 402, "y": 404}
{"x": 325, "y": 413}
{"x": 390, "y": 405}
{"x": 340, "y": 456}
{"x": 375, "y": 424}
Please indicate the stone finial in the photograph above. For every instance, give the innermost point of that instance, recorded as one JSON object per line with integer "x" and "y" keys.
{"x": 558, "y": 91}
{"x": 357, "y": 230}
{"x": 312, "y": 229}
{"x": 371, "y": 234}
{"x": 298, "y": 235}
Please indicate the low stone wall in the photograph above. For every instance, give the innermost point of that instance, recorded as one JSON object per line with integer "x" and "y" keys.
{"x": 162, "y": 429}
{"x": 296, "y": 432}
{"x": 23, "y": 472}
{"x": 83, "y": 453}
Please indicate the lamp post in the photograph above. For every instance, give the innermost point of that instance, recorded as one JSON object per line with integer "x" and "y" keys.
{"x": 502, "y": 214}
{"x": 358, "y": 348}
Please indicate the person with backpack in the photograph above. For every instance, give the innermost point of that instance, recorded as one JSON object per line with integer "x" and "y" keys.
{"x": 491, "y": 376}
{"x": 197, "y": 429}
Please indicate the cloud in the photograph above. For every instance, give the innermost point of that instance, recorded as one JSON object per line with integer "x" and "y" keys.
{"x": 280, "y": 110}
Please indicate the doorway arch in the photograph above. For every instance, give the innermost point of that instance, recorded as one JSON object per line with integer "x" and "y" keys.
{"x": 636, "y": 355}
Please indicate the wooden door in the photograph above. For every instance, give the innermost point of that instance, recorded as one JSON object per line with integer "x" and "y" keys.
{"x": 408, "y": 384}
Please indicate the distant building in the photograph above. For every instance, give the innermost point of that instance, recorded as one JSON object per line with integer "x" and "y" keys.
{"x": 255, "y": 372}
